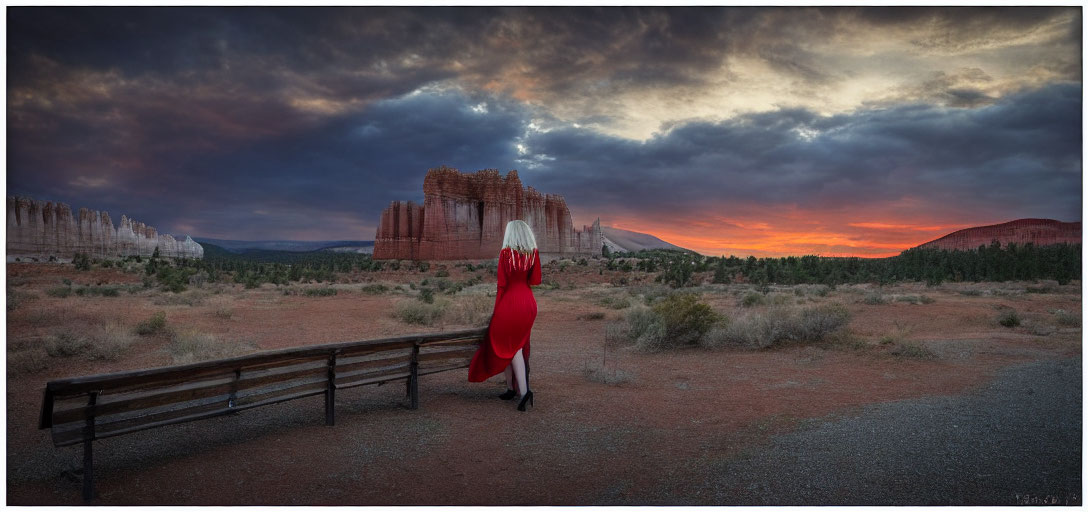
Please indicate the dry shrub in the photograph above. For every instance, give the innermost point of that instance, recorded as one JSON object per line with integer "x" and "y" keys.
{"x": 17, "y": 298}
{"x": 1067, "y": 319}
{"x": 27, "y": 361}
{"x": 153, "y": 325}
{"x": 190, "y": 346}
{"x": 420, "y": 313}
{"x": 615, "y": 302}
{"x": 779, "y": 326}
{"x": 110, "y": 341}
{"x": 472, "y": 309}
{"x": 67, "y": 341}
{"x": 677, "y": 320}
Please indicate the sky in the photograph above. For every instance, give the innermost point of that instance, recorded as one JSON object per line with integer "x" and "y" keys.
{"x": 765, "y": 131}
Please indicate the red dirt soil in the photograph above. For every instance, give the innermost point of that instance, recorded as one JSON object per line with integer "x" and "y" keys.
{"x": 584, "y": 442}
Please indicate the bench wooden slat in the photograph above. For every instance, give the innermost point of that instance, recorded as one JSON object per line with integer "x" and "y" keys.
{"x": 373, "y": 363}
{"x": 198, "y": 390}
{"x": 76, "y": 436}
{"x": 374, "y": 379}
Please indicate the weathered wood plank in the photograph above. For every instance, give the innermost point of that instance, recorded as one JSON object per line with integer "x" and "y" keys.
{"x": 185, "y": 393}
{"x": 373, "y": 363}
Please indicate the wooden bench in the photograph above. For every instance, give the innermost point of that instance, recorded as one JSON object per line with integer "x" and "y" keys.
{"x": 82, "y": 409}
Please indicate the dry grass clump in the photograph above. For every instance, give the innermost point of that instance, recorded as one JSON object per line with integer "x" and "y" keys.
{"x": 104, "y": 341}
{"x": 418, "y": 312}
{"x": 17, "y": 298}
{"x": 190, "y": 346}
{"x": 612, "y": 302}
{"x": 374, "y": 289}
{"x": 596, "y": 315}
{"x": 1066, "y": 319}
{"x": 473, "y": 309}
{"x": 874, "y": 298}
{"x": 752, "y": 299}
{"x": 153, "y": 325}
{"x": 779, "y": 325}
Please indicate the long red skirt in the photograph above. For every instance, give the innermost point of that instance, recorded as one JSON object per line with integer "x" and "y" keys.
{"x": 512, "y": 321}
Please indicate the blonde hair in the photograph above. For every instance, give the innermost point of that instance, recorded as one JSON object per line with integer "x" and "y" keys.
{"x": 519, "y": 236}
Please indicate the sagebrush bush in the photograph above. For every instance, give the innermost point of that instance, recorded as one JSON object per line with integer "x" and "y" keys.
{"x": 686, "y": 319}
{"x": 67, "y": 342}
{"x": 677, "y": 320}
{"x": 780, "y": 325}
{"x": 110, "y": 341}
{"x": 59, "y": 291}
{"x": 190, "y": 346}
{"x": 874, "y": 298}
{"x": 153, "y": 325}
{"x": 320, "y": 292}
{"x": 420, "y": 313}
{"x": 1009, "y": 318}
{"x": 374, "y": 289}
{"x": 751, "y": 299}
{"x": 473, "y": 309}
{"x": 1067, "y": 319}
{"x": 615, "y": 302}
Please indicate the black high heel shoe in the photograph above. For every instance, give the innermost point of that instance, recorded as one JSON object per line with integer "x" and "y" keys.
{"x": 508, "y": 395}
{"x": 527, "y": 398}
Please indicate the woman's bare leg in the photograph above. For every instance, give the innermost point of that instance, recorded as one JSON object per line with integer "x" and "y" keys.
{"x": 509, "y": 374}
{"x": 518, "y": 363}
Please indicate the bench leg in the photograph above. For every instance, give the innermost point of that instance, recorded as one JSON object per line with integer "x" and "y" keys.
{"x": 88, "y": 477}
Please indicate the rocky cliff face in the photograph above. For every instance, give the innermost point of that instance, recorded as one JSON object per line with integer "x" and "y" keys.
{"x": 1021, "y": 231}
{"x": 464, "y": 216}
{"x": 44, "y": 229}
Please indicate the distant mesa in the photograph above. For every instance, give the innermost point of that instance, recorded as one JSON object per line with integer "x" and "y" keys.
{"x": 44, "y": 230}
{"x": 242, "y": 246}
{"x": 1037, "y": 231}
{"x": 622, "y": 240}
{"x": 464, "y": 216}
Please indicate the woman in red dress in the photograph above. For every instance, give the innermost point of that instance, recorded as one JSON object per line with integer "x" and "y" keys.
{"x": 506, "y": 346}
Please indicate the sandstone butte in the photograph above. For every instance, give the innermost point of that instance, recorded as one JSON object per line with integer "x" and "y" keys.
{"x": 464, "y": 216}
{"x": 40, "y": 230}
{"x": 1037, "y": 231}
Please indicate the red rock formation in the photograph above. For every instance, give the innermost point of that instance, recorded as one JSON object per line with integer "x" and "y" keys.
{"x": 1021, "y": 231}
{"x": 40, "y": 230}
{"x": 464, "y": 216}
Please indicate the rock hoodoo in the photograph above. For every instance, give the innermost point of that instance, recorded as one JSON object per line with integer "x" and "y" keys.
{"x": 44, "y": 229}
{"x": 464, "y": 216}
{"x": 1021, "y": 231}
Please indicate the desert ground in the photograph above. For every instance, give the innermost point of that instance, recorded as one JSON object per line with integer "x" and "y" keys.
{"x": 922, "y": 398}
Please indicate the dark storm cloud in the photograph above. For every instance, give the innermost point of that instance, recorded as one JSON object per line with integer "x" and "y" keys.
{"x": 1018, "y": 157}
{"x": 333, "y": 181}
{"x": 245, "y": 122}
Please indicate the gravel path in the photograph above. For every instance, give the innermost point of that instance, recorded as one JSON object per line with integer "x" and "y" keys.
{"x": 1015, "y": 441}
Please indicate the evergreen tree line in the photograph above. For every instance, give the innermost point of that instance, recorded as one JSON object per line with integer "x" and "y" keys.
{"x": 1060, "y": 262}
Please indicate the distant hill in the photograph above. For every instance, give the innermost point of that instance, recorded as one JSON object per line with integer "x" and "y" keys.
{"x": 239, "y": 246}
{"x": 1037, "y": 231}
{"x": 622, "y": 240}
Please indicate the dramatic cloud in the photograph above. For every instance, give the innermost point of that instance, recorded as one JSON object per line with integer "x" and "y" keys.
{"x": 746, "y": 130}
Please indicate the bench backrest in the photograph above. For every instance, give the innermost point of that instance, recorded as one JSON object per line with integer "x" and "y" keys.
{"x": 98, "y": 406}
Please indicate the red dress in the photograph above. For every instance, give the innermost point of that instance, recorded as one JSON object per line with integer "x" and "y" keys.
{"x": 512, "y": 321}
